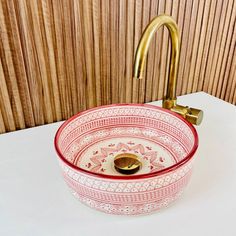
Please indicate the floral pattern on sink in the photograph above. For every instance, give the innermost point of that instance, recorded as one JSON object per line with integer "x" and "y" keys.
{"x": 99, "y": 158}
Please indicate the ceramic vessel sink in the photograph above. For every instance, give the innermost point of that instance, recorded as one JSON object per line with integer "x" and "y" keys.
{"x": 131, "y": 158}
{"x": 163, "y": 141}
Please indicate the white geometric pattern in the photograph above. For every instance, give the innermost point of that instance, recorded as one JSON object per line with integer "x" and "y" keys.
{"x": 139, "y": 195}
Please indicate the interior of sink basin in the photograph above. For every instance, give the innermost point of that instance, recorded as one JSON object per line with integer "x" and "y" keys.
{"x": 158, "y": 138}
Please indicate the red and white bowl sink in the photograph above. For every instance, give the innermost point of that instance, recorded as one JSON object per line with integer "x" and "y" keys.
{"x": 165, "y": 143}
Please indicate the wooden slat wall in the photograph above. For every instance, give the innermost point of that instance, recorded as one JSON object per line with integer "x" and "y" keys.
{"x": 59, "y": 57}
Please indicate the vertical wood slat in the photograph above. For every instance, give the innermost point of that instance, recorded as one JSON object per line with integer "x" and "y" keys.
{"x": 185, "y": 46}
{"x": 157, "y": 56}
{"x": 97, "y": 49}
{"x": 19, "y": 67}
{"x": 41, "y": 56}
{"x": 114, "y": 60}
{"x": 47, "y": 17}
{"x": 220, "y": 46}
{"x": 80, "y": 65}
{"x": 105, "y": 56}
{"x": 230, "y": 86}
{"x": 5, "y": 103}
{"x": 189, "y": 55}
{"x": 9, "y": 70}
{"x": 163, "y": 7}
{"x": 200, "y": 54}
{"x": 231, "y": 64}
{"x": 221, "y": 71}
{"x": 151, "y": 67}
{"x": 137, "y": 35}
{"x": 89, "y": 52}
{"x": 215, "y": 40}
{"x": 129, "y": 49}
{"x": 61, "y": 57}
{"x": 30, "y": 62}
{"x": 192, "y": 83}
{"x": 145, "y": 20}
{"x": 69, "y": 54}
{"x": 121, "y": 50}
{"x": 207, "y": 44}
{"x": 2, "y": 125}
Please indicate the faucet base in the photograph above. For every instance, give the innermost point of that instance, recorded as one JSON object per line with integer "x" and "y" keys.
{"x": 169, "y": 103}
{"x": 192, "y": 115}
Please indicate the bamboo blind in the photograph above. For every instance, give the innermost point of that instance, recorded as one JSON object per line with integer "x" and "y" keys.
{"x": 59, "y": 57}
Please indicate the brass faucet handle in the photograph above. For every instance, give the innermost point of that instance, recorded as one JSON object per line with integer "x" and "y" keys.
{"x": 192, "y": 115}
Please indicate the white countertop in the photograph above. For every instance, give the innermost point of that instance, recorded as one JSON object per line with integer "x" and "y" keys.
{"x": 34, "y": 199}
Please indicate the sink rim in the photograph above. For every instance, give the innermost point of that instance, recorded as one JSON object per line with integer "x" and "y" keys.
{"x": 127, "y": 177}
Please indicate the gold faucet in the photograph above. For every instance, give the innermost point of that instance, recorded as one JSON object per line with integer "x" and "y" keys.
{"x": 192, "y": 115}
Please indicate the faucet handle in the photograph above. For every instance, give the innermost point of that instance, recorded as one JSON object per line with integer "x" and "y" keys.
{"x": 193, "y": 115}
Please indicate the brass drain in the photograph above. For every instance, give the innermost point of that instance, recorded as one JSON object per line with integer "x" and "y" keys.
{"x": 127, "y": 163}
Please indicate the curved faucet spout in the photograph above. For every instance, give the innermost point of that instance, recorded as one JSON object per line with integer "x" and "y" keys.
{"x": 169, "y": 101}
{"x": 143, "y": 47}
